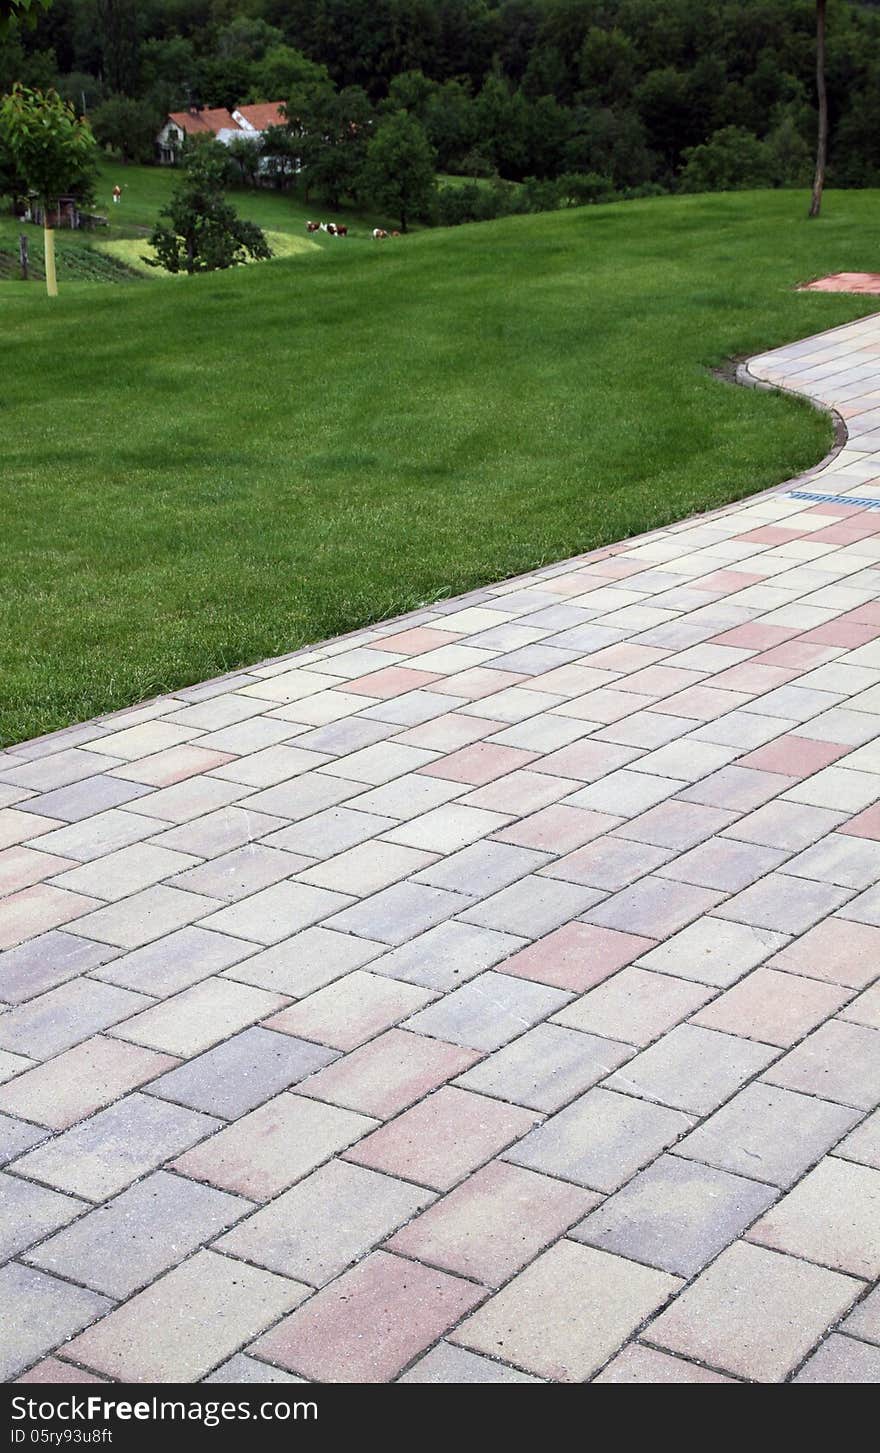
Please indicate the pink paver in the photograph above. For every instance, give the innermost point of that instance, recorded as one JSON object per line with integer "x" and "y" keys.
{"x": 444, "y": 1137}
{"x": 845, "y": 282}
{"x": 369, "y": 1324}
{"x": 416, "y": 640}
{"x": 390, "y": 681}
{"x": 613, "y": 827}
{"x": 479, "y": 763}
{"x": 577, "y": 956}
{"x": 794, "y": 756}
{"x": 864, "y": 824}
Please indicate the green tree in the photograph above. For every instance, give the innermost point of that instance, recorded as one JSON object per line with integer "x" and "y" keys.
{"x": 611, "y": 143}
{"x": 450, "y": 123}
{"x": 118, "y": 33}
{"x": 410, "y": 91}
{"x": 279, "y": 151}
{"x": 203, "y": 231}
{"x": 399, "y": 173}
{"x": 50, "y": 150}
{"x": 283, "y": 69}
{"x": 608, "y": 63}
{"x": 127, "y": 127}
{"x": 790, "y": 152}
{"x": 247, "y": 37}
{"x": 501, "y": 116}
{"x": 334, "y": 133}
{"x": 25, "y": 12}
{"x": 730, "y": 161}
{"x": 225, "y": 81}
{"x": 246, "y": 151}
{"x": 546, "y": 75}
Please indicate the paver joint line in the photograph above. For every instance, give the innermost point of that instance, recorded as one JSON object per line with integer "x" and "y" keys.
{"x": 488, "y": 995}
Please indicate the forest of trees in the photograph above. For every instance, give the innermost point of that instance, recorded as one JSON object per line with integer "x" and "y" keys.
{"x": 621, "y": 97}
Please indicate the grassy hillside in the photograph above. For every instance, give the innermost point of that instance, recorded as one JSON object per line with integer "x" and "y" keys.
{"x": 113, "y": 254}
{"x": 199, "y": 475}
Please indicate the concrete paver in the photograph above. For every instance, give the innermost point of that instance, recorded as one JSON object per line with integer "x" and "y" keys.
{"x": 489, "y": 996}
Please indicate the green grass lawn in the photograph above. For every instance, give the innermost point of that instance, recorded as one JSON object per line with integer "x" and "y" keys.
{"x": 199, "y": 475}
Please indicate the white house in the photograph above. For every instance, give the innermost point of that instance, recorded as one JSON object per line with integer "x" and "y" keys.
{"x": 245, "y": 121}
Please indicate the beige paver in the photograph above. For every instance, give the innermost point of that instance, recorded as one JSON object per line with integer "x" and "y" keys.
{"x": 538, "y": 1320}
{"x": 178, "y": 1328}
{"x": 754, "y": 1312}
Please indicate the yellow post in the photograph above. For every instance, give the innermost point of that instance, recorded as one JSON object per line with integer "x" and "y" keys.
{"x": 49, "y": 249}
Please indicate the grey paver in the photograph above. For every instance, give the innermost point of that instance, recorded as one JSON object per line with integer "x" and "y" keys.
{"x": 838, "y": 1061}
{"x": 768, "y": 1133}
{"x": 675, "y": 1215}
{"x": 447, "y": 955}
{"x": 399, "y": 913}
{"x": 151, "y": 1226}
{"x": 104, "y": 1154}
{"x": 546, "y": 1067}
{"x": 634, "y": 1005}
{"x": 488, "y": 1011}
{"x": 242, "y": 1368}
{"x": 300, "y": 965}
{"x": 600, "y": 1139}
{"x": 40, "y": 1312}
{"x": 272, "y": 914}
{"x": 784, "y": 903}
{"x": 47, "y": 960}
{"x": 864, "y": 1320}
{"x": 273, "y": 1146}
{"x": 176, "y": 961}
{"x": 712, "y": 951}
{"x": 144, "y": 916}
{"x": 863, "y": 1143}
{"x": 62, "y": 1017}
{"x": 831, "y": 1217}
{"x": 29, "y": 1212}
{"x": 532, "y": 907}
{"x": 491, "y": 865}
{"x": 654, "y": 907}
{"x": 538, "y": 1320}
{"x": 17, "y": 1136}
{"x": 241, "y": 1073}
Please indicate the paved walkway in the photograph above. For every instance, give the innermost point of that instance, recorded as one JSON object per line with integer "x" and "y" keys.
{"x": 484, "y": 997}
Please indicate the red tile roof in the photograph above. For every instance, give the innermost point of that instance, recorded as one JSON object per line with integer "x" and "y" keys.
{"x": 265, "y": 113}
{"x": 212, "y": 119}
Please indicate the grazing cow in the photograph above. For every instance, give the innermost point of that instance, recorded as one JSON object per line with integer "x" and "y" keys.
{"x": 395, "y": 234}
{"x": 341, "y": 231}
{"x": 379, "y": 232}
{"x": 312, "y": 226}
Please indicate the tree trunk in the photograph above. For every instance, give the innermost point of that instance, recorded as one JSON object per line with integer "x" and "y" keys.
{"x": 49, "y": 251}
{"x": 23, "y": 255}
{"x": 822, "y": 95}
